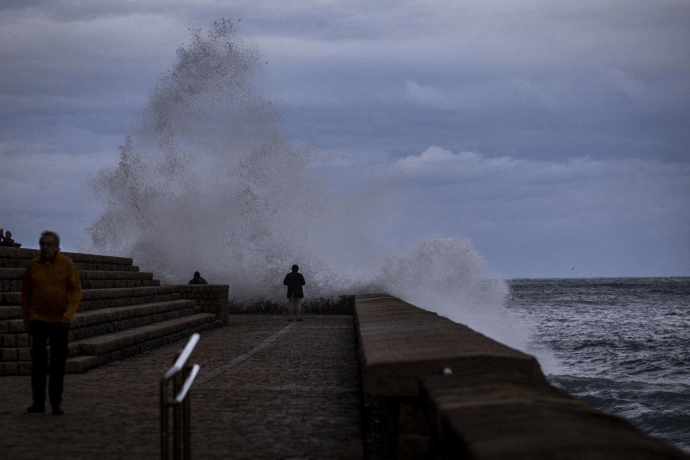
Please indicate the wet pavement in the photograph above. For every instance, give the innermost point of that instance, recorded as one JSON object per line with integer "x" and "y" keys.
{"x": 268, "y": 389}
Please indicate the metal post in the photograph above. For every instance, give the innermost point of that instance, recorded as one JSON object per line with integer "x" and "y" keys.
{"x": 164, "y": 419}
{"x": 186, "y": 404}
{"x": 181, "y": 376}
{"x": 176, "y": 417}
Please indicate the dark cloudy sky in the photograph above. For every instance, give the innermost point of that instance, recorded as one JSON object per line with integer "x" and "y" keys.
{"x": 554, "y": 135}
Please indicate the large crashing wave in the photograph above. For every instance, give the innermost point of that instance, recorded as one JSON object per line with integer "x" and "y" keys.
{"x": 210, "y": 182}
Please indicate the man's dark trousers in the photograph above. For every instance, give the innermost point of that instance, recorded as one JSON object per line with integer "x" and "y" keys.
{"x": 58, "y": 334}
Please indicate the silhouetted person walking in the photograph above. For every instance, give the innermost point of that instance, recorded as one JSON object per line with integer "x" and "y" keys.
{"x": 294, "y": 281}
{"x": 51, "y": 292}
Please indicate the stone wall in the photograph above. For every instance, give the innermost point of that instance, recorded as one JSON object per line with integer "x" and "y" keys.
{"x": 212, "y": 298}
{"x": 444, "y": 390}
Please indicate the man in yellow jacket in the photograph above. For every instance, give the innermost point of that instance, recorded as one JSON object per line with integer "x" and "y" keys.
{"x": 51, "y": 292}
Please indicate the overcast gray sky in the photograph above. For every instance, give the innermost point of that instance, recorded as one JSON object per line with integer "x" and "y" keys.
{"x": 554, "y": 135}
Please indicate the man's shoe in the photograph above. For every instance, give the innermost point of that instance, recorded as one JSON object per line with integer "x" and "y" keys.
{"x": 36, "y": 410}
{"x": 57, "y": 410}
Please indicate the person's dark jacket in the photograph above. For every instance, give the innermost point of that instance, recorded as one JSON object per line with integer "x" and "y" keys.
{"x": 198, "y": 280}
{"x": 294, "y": 281}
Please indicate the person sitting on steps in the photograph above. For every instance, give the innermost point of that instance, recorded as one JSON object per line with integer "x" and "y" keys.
{"x": 197, "y": 279}
{"x": 6, "y": 240}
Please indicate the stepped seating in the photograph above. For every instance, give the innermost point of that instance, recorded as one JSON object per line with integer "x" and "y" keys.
{"x": 123, "y": 312}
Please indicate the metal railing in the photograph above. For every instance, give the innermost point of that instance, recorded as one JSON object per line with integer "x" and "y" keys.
{"x": 181, "y": 377}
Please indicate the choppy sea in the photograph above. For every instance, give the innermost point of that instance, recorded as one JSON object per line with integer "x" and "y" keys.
{"x": 622, "y": 345}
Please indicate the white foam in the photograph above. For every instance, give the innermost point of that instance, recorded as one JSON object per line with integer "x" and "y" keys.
{"x": 209, "y": 181}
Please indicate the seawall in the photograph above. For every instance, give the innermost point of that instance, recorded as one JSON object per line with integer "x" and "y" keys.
{"x": 447, "y": 391}
{"x": 441, "y": 389}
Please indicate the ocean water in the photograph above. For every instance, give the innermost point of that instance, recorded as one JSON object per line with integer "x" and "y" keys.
{"x": 622, "y": 345}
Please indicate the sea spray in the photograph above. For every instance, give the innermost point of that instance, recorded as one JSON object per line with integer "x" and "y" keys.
{"x": 450, "y": 277}
{"x": 210, "y": 181}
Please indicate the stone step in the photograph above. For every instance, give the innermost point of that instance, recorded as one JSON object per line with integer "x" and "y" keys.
{"x": 23, "y": 263}
{"x": 12, "y": 326}
{"x": 80, "y": 364}
{"x": 116, "y": 343}
{"x": 11, "y": 279}
{"x": 116, "y": 284}
{"x": 15, "y": 354}
{"x": 20, "y": 258}
{"x": 169, "y": 332}
{"x": 10, "y": 312}
{"x": 19, "y": 340}
{"x": 95, "y": 299}
{"x": 123, "y": 312}
{"x": 105, "y": 321}
{"x": 15, "y": 368}
{"x": 108, "y": 320}
{"x": 107, "y": 298}
{"x": 11, "y": 321}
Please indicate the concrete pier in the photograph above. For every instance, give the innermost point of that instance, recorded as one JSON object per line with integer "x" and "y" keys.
{"x": 268, "y": 389}
{"x": 449, "y": 392}
{"x": 366, "y": 376}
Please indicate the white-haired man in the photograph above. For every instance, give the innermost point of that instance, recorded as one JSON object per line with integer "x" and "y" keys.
{"x": 51, "y": 292}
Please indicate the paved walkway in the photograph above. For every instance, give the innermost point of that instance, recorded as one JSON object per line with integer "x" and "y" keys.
{"x": 268, "y": 388}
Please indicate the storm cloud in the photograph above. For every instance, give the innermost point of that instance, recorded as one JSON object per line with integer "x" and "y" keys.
{"x": 553, "y": 136}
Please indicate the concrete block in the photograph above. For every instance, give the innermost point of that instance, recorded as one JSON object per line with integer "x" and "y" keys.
{"x": 10, "y": 312}
{"x": 499, "y": 416}
{"x": 12, "y": 298}
{"x": 400, "y": 344}
{"x": 24, "y": 368}
{"x": 73, "y": 349}
{"x": 23, "y": 340}
{"x": 23, "y": 354}
{"x": 81, "y": 364}
{"x": 8, "y": 354}
{"x": 106, "y": 344}
{"x": 16, "y": 326}
{"x": 10, "y": 368}
{"x": 8, "y": 340}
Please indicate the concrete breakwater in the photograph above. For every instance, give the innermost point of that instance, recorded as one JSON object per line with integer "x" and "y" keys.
{"x": 441, "y": 389}
{"x": 446, "y": 391}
